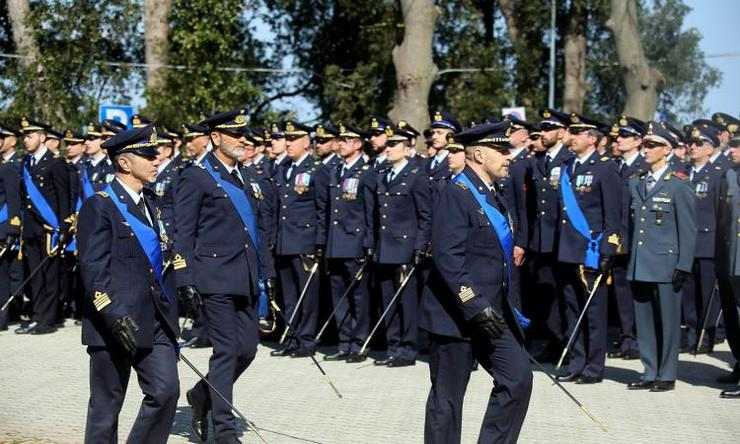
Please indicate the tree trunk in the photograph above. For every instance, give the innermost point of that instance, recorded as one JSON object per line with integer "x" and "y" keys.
{"x": 642, "y": 81}
{"x": 508, "y": 10}
{"x": 156, "y": 29}
{"x": 415, "y": 69}
{"x": 575, "y": 59}
{"x": 23, "y": 38}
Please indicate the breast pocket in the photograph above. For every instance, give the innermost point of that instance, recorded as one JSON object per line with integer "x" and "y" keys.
{"x": 483, "y": 237}
{"x": 126, "y": 245}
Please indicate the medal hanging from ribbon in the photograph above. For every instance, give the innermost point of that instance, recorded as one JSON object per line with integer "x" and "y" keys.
{"x": 578, "y": 220}
{"x": 502, "y": 230}
{"x": 148, "y": 241}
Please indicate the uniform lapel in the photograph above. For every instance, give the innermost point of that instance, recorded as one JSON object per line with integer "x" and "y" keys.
{"x": 658, "y": 185}
{"x": 123, "y": 196}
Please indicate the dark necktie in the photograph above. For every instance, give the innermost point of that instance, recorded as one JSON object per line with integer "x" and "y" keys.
{"x": 650, "y": 182}
{"x": 575, "y": 166}
{"x": 547, "y": 162}
{"x": 391, "y": 175}
{"x": 236, "y": 177}
{"x": 33, "y": 161}
{"x": 142, "y": 207}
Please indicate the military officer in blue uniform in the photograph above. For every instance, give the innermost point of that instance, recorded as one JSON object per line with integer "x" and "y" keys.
{"x": 663, "y": 240}
{"x": 346, "y": 235}
{"x": 728, "y": 126}
{"x": 298, "y": 185}
{"x": 543, "y": 302}
{"x": 629, "y": 132}
{"x": 718, "y": 160}
{"x": 277, "y": 147}
{"x": 220, "y": 259}
{"x": 728, "y": 263}
{"x": 130, "y": 312}
{"x": 676, "y": 159}
{"x": 590, "y": 234}
{"x": 98, "y": 165}
{"x": 10, "y": 157}
{"x": 469, "y": 312}
{"x": 378, "y": 141}
{"x": 259, "y": 164}
{"x": 437, "y": 167}
{"x": 46, "y": 220}
{"x": 10, "y": 222}
{"x": 704, "y": 179}
{"x": 327, "y": 149}
{"x": 403, "y": 212}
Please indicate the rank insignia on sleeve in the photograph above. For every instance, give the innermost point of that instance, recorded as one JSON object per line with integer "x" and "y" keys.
{"x": 365, "y": 167}
{"x": 178, "y": 262}
{"x": 102, "y": 193}
{"x": 614, "y": 239}
{"x": 15, "y": 221}
{"x": 101, "y": 300}
{"x": 465, "y": 294}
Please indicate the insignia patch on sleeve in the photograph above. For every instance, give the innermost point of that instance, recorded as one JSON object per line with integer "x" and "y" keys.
{"x": 613, "y": 239}
{"x": 465, "y": 294}
{"x": 102, "y": 193}
{"x": 15, "y": 221}
{"x": 101, "y": 300}
{"x": 178, "y": 262}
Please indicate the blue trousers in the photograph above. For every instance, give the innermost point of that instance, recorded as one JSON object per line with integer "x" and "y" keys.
{"x": 352, "y": 314}
{"x": 232, "y": 328}
{"x": 450, "y": 364}
{"x": 401, "y": 322}
{"x": 293, "y": 278}
{"x": 658, "y": 317}
{"x": 625, "y": 304}
{"x": 156, "y": 370}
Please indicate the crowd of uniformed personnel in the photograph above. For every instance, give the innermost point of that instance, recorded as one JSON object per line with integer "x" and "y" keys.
{"x": 506, "y": 239}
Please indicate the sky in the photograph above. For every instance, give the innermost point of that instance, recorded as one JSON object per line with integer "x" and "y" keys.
{"x": 719, "y": 23}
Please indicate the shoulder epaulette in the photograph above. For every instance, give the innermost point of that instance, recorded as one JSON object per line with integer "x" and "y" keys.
{"x": 461, "y": 185}
{"x": 102, "y": 193}
{"x": 365, "y": 167}
{"x": 718, "y": 168}
{"x": 605, "y": 158}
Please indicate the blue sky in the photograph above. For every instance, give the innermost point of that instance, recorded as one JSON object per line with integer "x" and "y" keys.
{"x": 719, "y": 23}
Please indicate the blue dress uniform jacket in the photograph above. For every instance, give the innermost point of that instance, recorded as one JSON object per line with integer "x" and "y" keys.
{"x": 298, "y": 213}
{"x": 259, "y": 183}
{"x": 546, "y": 195}
{"x": 164, "y": 188}
{"x": 10, "y": 198}
{"x": 51, "y": 176}
{"x": 404, "y": 215}
{"x": 626, "y": 172}
{"x": 111, "y": 262}
{"x": 214, "y": 250}
{"x": 347, "y": 226}
{"x": 663, "y": 227}
{"x": 438, "y": 176}
{"x": 514, "y": 188}
{"x": 721, "y": 164}
{"x": 705, "y": 183}
{"x": 598, "y": 190}
{"x": 101, "y": 173}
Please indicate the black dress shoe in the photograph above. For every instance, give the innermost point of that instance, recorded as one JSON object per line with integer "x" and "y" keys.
{"x": 631, "y": 355}
{"x": 196, "y": 342}
{"x": 615, "y": 354}
{"x": 41, "y": 329}
{"x": 663, "y": 386}
{"x": 570, "y": 377}
{"x": 302, "y": 353}
{"x": 730, "y": 394}
{"x": 399, "y": 362}
{"x": 356, "y": 357}
{"x": 640, "y": 385}
{"x": 705, "y": 349}
{"x": 385, "y": 361}
{"x": 282, "y": 352}
{"x": 731, "y": 378}
{"x": 338, "y": 356}
{"x": 230, "y": 439}
{"x": 589, "y": 380}
{"x": 24, "y": 329}
{"x": 199, "y": 421}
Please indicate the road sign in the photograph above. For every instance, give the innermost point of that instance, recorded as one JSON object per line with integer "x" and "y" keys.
{"x": 121, "y": 113}
{"x": 517, "y": 111}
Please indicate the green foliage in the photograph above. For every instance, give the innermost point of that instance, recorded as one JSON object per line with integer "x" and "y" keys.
{"x": 65, "y": 88}
{"x": 207, "y": 36}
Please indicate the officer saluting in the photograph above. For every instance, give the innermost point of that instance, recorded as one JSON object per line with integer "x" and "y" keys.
{"x": 663, "y": 236}
{"x": 130, "y": 315}
{"x": 472, "y": 246}
{"x": 590, "y": 204}
{"x": 221, "y": 257}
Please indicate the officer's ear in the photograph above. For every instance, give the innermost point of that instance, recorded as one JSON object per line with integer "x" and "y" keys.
{"x": 215, "y": 139}
{"x": 123, "y": 163}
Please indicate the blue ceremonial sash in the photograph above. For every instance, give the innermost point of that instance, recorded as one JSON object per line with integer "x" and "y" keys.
{"x": 86, "y": 192}
{"x": 241, "y": 204}
{"x": 42, "y": 206}
{"x": 502, "y": 230}
{"x": 578, "y": 220}
{"x": 3, "y": 213}
{"x": 148, "y": 240}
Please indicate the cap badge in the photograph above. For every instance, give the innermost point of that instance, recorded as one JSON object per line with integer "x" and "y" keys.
{"x": 437, "y": 116}
{"x": 388, "y": 131}
{"x": 24, "y": 122}
{"x": 374, "y": 123}
{"x": 623, "y": 121}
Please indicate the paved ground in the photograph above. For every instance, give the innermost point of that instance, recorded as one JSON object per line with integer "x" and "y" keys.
{"x": 43, "y": 398}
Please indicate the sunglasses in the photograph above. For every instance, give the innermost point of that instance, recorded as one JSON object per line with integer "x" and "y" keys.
{"x": 652, "y": 144}
{"x": 577, "y": 131}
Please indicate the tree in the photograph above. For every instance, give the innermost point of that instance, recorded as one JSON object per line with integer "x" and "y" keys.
{"x": 575, "y": 86}
{"x": 156, "y": 32}
{"x": 415, "y": 69}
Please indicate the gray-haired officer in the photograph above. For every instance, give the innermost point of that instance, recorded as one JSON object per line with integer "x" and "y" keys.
{"x": 728, "y": 263}
{"x": 663, "y": 241}
{"x": 130, "y": 314}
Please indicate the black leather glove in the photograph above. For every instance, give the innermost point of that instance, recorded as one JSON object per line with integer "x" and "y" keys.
{"x": 679, "y": 279}
{"x": 8, "y": 243}
{"x": 124, "y": 330}
{"x": 189, "y": 300}
{"x": 319, "y": 253}
{"x": 605, "y": 264}
{"x": 419, "y": 257}
{"x": 367, "y": 255}
{"x": 487, "y": 326}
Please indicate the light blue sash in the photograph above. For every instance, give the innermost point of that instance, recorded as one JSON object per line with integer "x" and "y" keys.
{"x": 3, "y": 213}
{"x": 578, "y": 219}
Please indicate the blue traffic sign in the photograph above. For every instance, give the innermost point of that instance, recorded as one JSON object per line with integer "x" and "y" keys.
{"x": 121, "y": 113}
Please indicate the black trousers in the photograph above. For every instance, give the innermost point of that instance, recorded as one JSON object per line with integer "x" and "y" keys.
{"x": 622, "y": 291}
{"x": 588, "y": 352}
{"x": 696, "y": 306}
{"x": 293, "y": 278}
{"x": 450, "y": 364}
{"x": 542, "y": 301}
{"x": 232, "y": 328}
{"x": 11, "y": 276}
{"x": 44, "y": 284}
{"x": 156, "y": 370}
{"x": 729, "y": 292}
{"x": 352, "y": 314}
{"x": 401, "y": 322}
